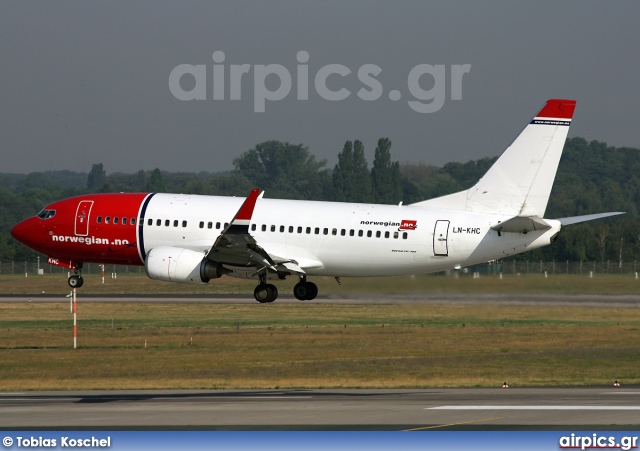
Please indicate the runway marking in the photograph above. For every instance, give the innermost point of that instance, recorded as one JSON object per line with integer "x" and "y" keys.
{"x": 534, "y": 408}
{"x": 453, "y": 424}
{"x": 621, "y": 393}
{"x": 214, "y": 398}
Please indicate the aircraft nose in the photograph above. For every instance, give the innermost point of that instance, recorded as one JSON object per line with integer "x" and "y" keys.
{"x": 28, "y": 232}
{"x": 19, "y": 231}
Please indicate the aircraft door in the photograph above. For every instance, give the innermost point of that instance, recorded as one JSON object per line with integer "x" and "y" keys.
{"x": 440, "y": 236}
{"x": 82, "y": 218}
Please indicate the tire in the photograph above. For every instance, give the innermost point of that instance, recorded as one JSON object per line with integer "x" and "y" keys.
{"x": 312, "y": 291}
{"x": 75, "y": 281}
{"x": 300, "y": 291}
{"x": 273, "y": 292}
{"x": 265, "y": 293}
{"x": 262, "y": 293}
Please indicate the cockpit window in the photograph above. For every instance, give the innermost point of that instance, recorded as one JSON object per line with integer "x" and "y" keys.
{"x": 46, "y": 214}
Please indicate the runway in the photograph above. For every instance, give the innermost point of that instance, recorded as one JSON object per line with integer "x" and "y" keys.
{"x": 543, "y": 300}
{"x": 597, "y": 408}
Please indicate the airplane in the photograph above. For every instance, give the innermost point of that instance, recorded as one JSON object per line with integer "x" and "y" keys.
{"x": 194, "y": 239}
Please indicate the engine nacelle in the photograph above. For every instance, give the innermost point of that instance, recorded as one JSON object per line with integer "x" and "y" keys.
{"x": 174, "y": 264}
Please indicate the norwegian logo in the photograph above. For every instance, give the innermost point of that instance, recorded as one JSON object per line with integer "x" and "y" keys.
{"x": 408, "y": 224}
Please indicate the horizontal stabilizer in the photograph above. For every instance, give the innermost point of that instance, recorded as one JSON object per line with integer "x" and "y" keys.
{"x": 577, "y": 219}
{"x": 521, "y": 224}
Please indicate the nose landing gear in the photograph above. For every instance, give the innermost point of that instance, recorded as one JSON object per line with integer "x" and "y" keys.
{"x": 76, "y": 280}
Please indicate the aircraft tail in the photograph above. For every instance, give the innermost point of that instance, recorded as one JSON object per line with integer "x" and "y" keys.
{"x": 520, "y": 181}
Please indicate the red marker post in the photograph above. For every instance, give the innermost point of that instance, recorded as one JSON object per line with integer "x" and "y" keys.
{"x": 75, "y": 327}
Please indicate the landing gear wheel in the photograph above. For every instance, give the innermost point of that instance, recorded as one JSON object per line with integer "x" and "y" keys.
{"x": 265, "y": 292}
{"x": 75, "y": 281}
{"x": 312, "y": 289}
{"x": 300, "y": 291}
{"x": 305, "y": 291}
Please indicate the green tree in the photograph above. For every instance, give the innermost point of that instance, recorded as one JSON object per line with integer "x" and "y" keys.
{"x": 284, "y": 170}
{"x": 361, "y": 188}
{"x": 156, "y": 184}
{"x": 351, "y": 178}
{"x": 343, "y": 174}
{"x": 97, "y": 177}
{"x": 385, "y": 175}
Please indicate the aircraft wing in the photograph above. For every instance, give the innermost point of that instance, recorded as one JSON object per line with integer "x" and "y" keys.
{"x": 236, "y": 247}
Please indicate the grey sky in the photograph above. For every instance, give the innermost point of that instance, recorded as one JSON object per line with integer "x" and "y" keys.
{"x": 87, "y": 82}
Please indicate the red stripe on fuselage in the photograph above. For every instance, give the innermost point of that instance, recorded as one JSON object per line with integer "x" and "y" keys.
{"x": 110, "y": 236}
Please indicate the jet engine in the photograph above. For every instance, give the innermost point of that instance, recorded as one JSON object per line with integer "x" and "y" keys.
{"x": 174, "y": 264}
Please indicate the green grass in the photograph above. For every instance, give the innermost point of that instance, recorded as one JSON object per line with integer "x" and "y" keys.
{"x": 314, "y": 345}
{"x": 134, "y": 283}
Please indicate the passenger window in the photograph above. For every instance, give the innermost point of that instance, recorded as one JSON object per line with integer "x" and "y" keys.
{"x": 273, "y": 228}
{"x": 299, "y": 229}
{"x": 159, "y": 222}
{"x": 167, "y": 222}
{"x": 202, "y": 224}
{"x": 99, "y": 220}
{"x": 175, "y": 223}
{"x": 124, "y": 221}
{"x": 360, "y": 233}
{"x": 115, "y": 220}
{"x": 133, "y": 221}
{"x": 343, "y": 232}
{"x": 226, "y": 224}
{"x": 150, "y": 222}
{"x": 334, "y": 232}
{"x": 264, "y": 227}
{"x": 308, "y": 230}
{"x": 184, "y": 223}
{"x": 352, "y": 232}
{"x": 107, "y": 220}
{"x": 217, "y": 225}
{"x": 395, "y": 235}
{"x": 281, "y": 229}
{"x": 378, "y": 234}
{"x": 209, "y": 225}
{"x": 253, "y": 227}
{"x": 404, "y": 236}
{"x": 325, "y": 231}
{"x": 386, "y": 234}
{"x": 369, "y": 234}
{"x": 317, "y": 230}
{"x": 290, "y": 229}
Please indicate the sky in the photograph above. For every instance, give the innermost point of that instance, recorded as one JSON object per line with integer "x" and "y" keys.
{"x": 134, "y": 84}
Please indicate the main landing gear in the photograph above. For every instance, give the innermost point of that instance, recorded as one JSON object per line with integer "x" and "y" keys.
{"x": 266, "y": 292}
{"x": 305, "y": 291}
{"x": 76, "y": 281}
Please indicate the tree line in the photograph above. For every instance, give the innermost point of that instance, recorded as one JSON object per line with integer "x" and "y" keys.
{"x": 592, "y": 177}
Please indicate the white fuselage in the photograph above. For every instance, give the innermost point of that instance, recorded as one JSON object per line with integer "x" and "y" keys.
{"x": 342, "y": 239}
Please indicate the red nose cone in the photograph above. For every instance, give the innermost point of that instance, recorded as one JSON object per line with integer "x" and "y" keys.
{"x": 29, "y": 232}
